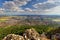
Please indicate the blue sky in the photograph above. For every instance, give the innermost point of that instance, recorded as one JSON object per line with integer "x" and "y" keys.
{"x": 2, "y": 1}
{"x": 38, "y": 7}
{"x": 29, "y": 4}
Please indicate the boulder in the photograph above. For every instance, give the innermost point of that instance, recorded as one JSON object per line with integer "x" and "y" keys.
{"x": 13, "y": 37}
{"x": 31, "y": 34}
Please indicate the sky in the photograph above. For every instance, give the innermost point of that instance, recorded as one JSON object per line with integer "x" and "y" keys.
{"x": 29, "y": 7}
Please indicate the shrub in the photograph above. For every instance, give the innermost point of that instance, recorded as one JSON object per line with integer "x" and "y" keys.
{"x": 19, "y": 29}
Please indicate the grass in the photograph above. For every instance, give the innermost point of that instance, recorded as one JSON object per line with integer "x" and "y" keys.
{"x": 3, "y": 19}
{"x": 19, "y": 29}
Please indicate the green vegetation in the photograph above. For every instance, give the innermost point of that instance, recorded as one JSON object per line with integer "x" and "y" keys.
{"x": 19, "y": 29}
{"x": 3, "y": 19}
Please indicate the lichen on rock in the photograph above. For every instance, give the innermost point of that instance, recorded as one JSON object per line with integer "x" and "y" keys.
{"x": 13, "y": 37}
{"x": 31, "y": 34}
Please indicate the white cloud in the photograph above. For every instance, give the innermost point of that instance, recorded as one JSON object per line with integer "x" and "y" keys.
{"x": 15, "y": 5}
{"x": 44, "y": 6}
{"x": 10, "y": 6}
{"x": 52, "y": 11}
{"x": 48, "y": 7}
{"x": 55, "y": 10}
{"x": 21, "y": 2}
{"x": 1, "y": 10}
{"x": 28, "y": 9}
{"x": 51, "y": 1}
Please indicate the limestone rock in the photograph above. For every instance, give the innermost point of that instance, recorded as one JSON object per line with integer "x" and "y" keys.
{"x": 13, "y": 37}
{"x": 31, "y": 34}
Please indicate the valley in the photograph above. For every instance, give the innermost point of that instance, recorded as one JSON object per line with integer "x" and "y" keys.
{"x": 42, "y": 24}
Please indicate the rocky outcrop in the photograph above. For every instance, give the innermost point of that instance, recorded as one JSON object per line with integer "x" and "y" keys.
{"x": 13, "y": 37}
{"x": 29, "y": 34}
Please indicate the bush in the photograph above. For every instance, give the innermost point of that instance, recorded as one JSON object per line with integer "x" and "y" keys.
{"x": 19, "y": 29}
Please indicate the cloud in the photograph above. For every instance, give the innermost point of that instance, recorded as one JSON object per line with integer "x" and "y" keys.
{"x": 48, "y": 7}
{"x": 1, "y": 10}
{"x": 10, "y": 6}
{"x": 55, "y": 10}
{"x": 21, "y": 2}
{"x": 28, "y": 9}
{"x": 15, "y": 5}
{"x": 44, "y": 6}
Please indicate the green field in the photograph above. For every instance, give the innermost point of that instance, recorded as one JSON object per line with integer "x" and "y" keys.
{"x": 3, "y": 19}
